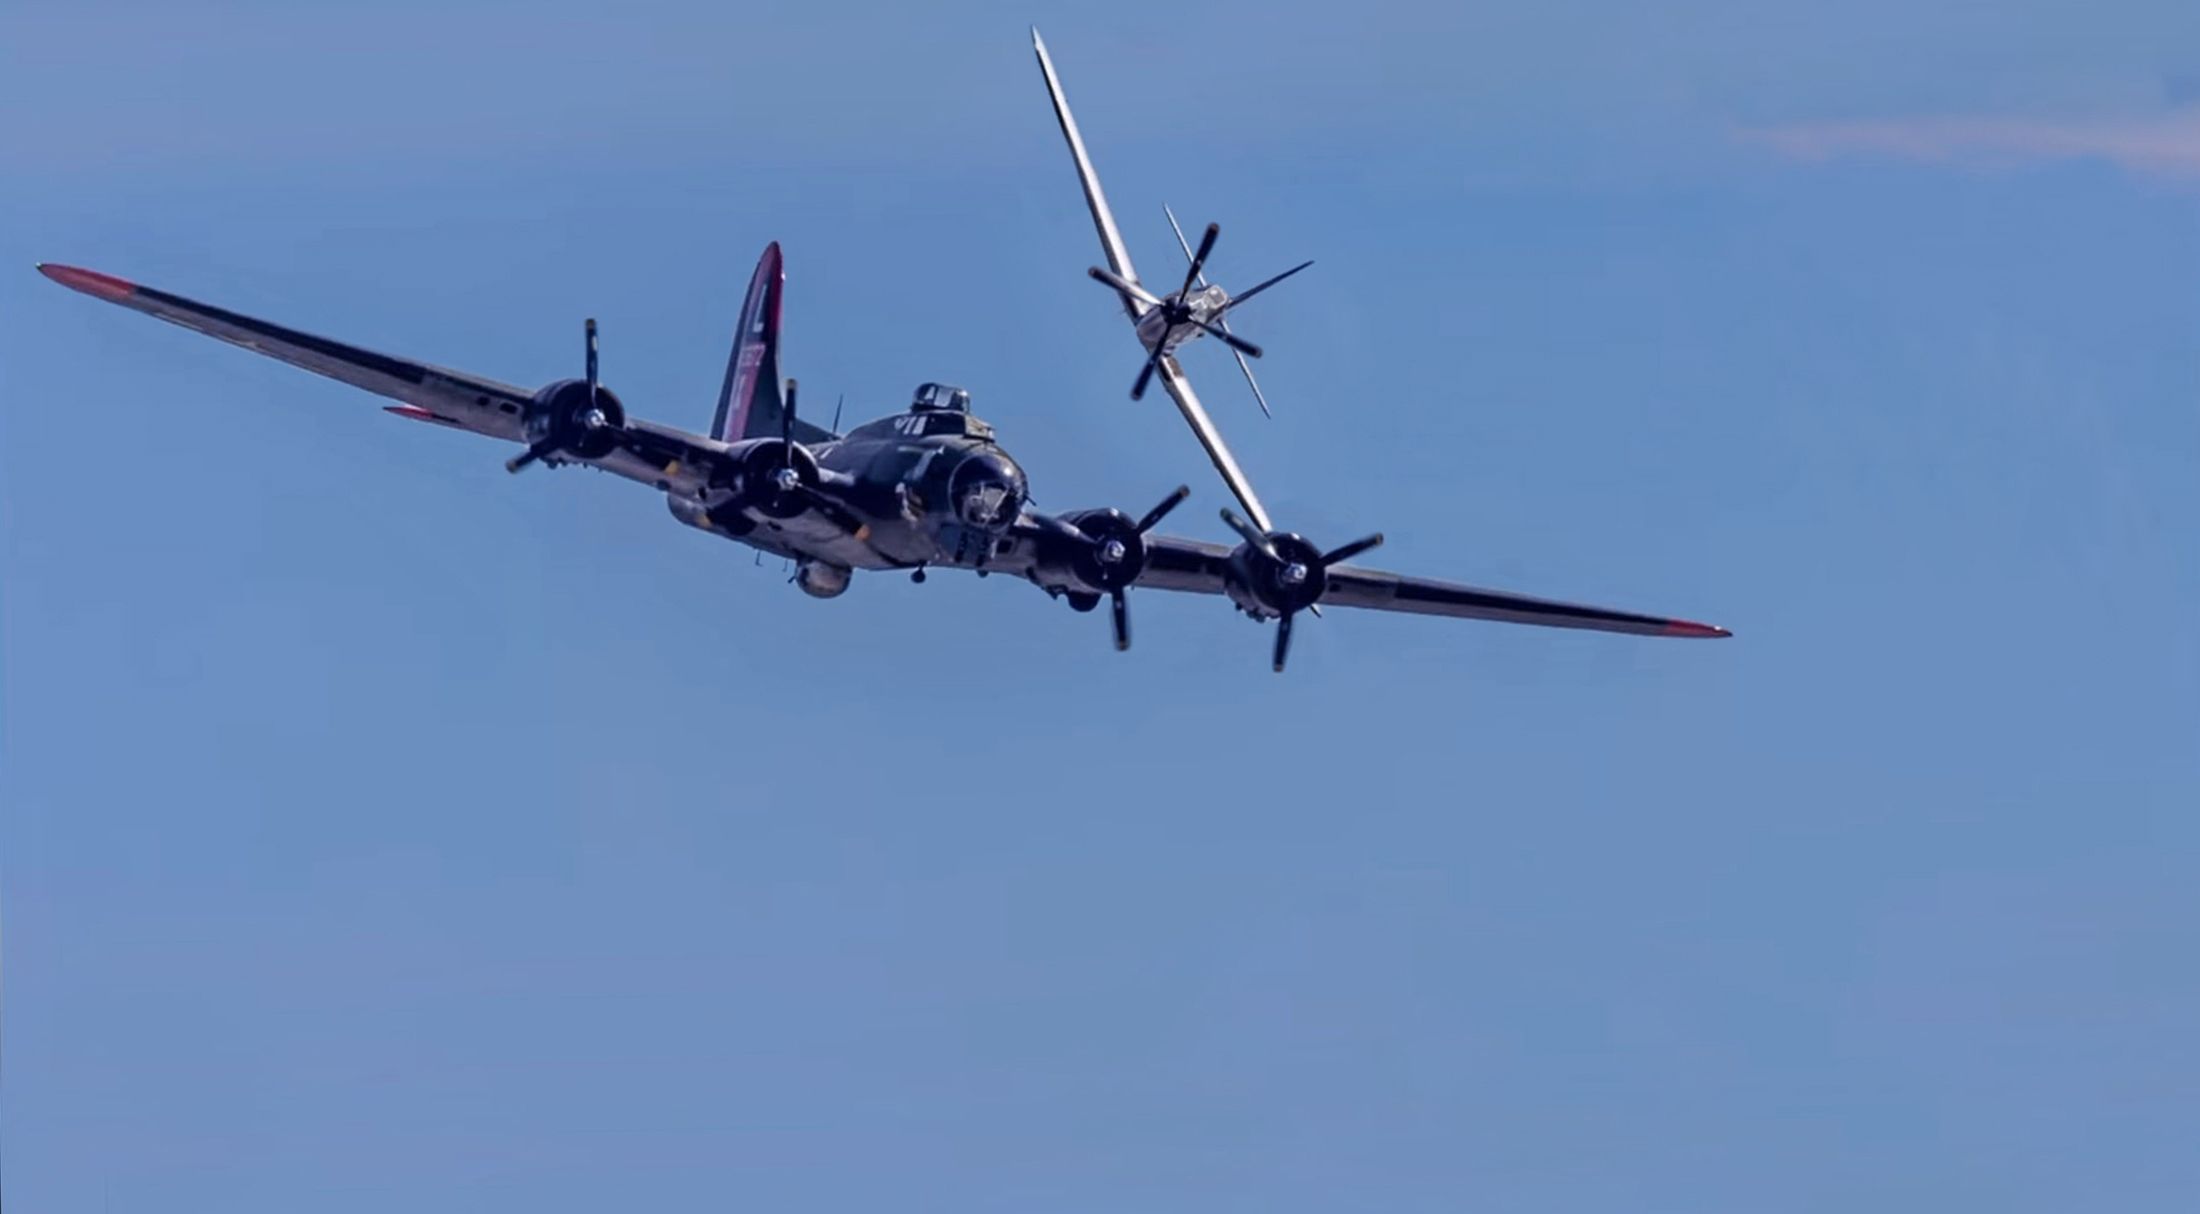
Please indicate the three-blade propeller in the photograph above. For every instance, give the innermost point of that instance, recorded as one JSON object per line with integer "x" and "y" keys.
{"x": 1116, "y": 553}
{"x": 790, "y": 483}
{"x": 560, "y": 422}
{"x": 1091, "y": 553}
{"x": 1286, "y": 574}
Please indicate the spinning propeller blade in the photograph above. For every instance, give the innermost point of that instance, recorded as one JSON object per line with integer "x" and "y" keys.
{"x": 1171, "y": 502}
{"x": 1235, "y": 300}
{"x": 1199, "y": 260}
{"x": 589, "y": 327}
{"x": 534, "y": 452}
{"x": 1259, "y": 398}
{"x": 1126, "y": 286}
{"x": 1145, "y": 373}
{"x": 1232, "y": 340}
{"x": 1353, "y": 549}
{"x": 1253, "y": 535}
{"x": 824, "y": 503}
{"x": 1217, "y": 325}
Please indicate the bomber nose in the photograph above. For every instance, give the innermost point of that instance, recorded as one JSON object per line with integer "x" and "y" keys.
{"x": 989, "y": 491}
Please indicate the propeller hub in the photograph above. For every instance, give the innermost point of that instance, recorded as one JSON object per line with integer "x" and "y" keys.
{"x": 787, "y": 480}
{"x": 1113, "y": 552}
{"x": 1294, "y": 574}
{"x": 567, "y": 419}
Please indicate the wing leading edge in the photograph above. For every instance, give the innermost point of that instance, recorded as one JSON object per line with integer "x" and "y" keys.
{"x": 428, "y": 393}
{"x": 1197, "y": 567}
{"x": 1103, "y": 220}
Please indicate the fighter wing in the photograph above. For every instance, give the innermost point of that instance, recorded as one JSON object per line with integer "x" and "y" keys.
{"x": 1119, "y": 260}
{"x": 1201, "y": 568}
{"x": 648, "y": 452}
{"x": 1195, "y": 415}
{"x": 1103, "y": 220}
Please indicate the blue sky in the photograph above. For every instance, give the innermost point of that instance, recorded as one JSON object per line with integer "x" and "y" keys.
{"x": 380, "y": 829}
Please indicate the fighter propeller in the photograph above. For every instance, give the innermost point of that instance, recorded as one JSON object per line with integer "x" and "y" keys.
{"x": 1283, "y": 573}
{"x": 1193, "y": 309}
{"x": 1259, "y": 398}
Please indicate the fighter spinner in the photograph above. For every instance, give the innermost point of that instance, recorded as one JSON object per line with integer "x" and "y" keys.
{"x": 929, "y": 487}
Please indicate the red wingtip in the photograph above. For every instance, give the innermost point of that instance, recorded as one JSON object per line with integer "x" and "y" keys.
{"x": 419, "y": 414}
{"x": 1688, "y": 628}
{"x": 91, "y": 282}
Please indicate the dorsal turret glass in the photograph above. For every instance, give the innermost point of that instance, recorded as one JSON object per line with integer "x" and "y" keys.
{"x": 940, "y": 398}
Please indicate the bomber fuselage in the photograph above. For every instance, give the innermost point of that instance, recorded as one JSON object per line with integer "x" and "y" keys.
{"x": 925, "y": 487}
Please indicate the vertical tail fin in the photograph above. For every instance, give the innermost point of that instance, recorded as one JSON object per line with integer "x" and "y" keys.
{"x": 749, "y": 404}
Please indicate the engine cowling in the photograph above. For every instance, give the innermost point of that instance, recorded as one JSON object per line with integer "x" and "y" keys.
{"x": 1094, "y": 552}
{"x": 567, "y": 419}
{"x": 1278, "y": 574}
{"x": 1289, "y": 575}
{"x": 771, "y": 476}
{"x": 1103, "y": 553}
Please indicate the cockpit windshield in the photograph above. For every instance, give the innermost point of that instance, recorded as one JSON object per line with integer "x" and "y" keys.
{"x": 940, "y": 398}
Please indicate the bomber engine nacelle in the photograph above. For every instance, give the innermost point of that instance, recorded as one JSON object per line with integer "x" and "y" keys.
{"x": 778, "y": 478}
{"x": 581, "y": 421}
{"x": 572, "y": 418}
{"x": 1277, "y": 574}
{"x": 1099, "y": 551}
{"x": 1095, "y": 552}
{"x": 775, "y": 477}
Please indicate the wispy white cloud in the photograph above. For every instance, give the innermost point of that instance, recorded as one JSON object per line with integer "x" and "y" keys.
{"x": 2163, "y": 145}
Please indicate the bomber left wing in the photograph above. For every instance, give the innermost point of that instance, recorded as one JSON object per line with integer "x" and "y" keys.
{"x": 653, "y": 454}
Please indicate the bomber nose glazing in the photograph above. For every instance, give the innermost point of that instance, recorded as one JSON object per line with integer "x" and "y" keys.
{"x": 988, "y": 491}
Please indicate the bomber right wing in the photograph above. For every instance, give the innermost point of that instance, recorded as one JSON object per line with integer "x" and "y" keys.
{"x": 1198, "y": 567}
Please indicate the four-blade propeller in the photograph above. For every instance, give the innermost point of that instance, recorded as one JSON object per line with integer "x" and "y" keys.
{"x": 1195, "y": 305}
